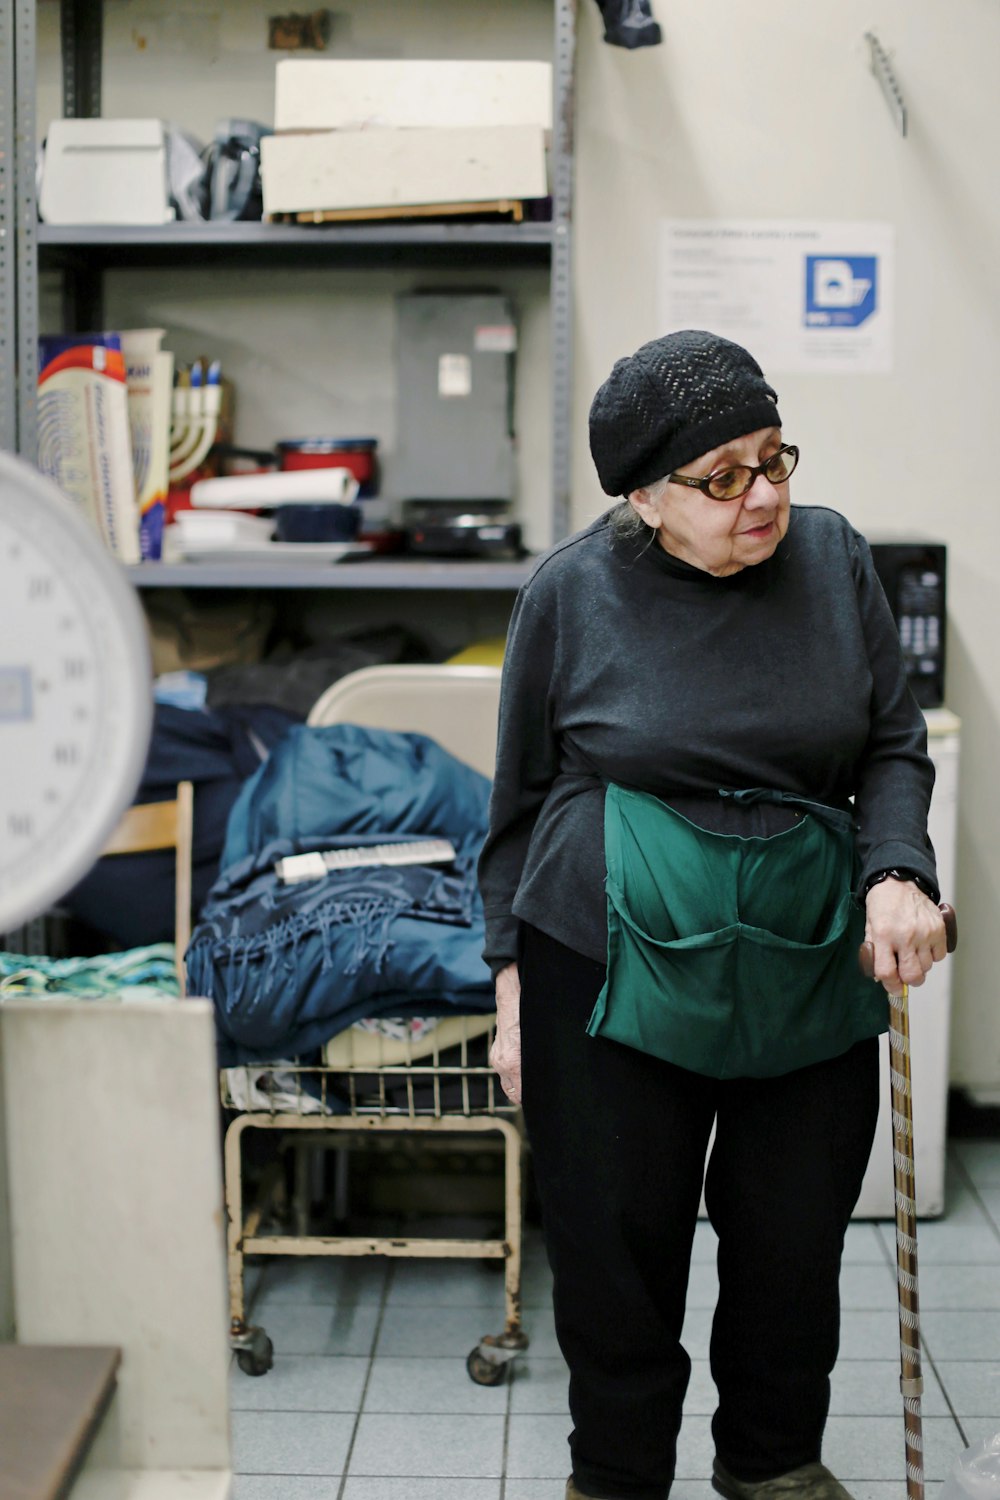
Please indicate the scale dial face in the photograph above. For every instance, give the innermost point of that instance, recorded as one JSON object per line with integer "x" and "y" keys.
{"x": 75, "y": 694}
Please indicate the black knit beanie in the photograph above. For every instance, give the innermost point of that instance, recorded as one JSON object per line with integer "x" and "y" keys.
{"x": 672, "y": 400}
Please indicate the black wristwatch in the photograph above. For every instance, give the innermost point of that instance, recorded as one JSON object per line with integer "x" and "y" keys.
{"x": 895, "y": 874}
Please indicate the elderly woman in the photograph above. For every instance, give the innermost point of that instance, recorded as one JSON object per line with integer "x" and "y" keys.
{"x": 711, "y": 785}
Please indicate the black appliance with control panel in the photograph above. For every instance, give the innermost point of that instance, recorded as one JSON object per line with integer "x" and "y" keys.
{"x": 913, "y": 576}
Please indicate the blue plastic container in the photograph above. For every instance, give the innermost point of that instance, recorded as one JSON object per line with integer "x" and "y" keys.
{"x": 317, "y": 523}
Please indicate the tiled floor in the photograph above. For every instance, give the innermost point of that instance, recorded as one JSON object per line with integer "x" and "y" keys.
{"x": 369, "y": 1398}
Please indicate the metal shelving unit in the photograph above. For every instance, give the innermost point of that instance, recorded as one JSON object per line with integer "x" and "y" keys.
{"x": 8, "y": 254}
{"x": 83, "y": 254}
{"x": 159, "y": 244}
{"x": 18, "y": 230}
{"x": 368, "y": 574}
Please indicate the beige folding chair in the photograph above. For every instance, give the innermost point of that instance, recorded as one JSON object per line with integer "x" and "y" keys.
{"x": 164, "y": 825}
{"x": 457, "y": 706}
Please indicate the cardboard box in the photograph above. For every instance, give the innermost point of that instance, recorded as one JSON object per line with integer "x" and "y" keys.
{"x": 358, "y": 169}
{"x": 105, "y": 172}
{"x": 328, "y": 94}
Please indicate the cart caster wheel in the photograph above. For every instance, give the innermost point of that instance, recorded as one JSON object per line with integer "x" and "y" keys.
{"x": 258, "y": 1359}
{"x": 484, "y": 1371}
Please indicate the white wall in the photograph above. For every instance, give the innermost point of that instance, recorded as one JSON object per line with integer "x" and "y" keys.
{"x": 771, "y": 111}
{"x": 767, "y": 111}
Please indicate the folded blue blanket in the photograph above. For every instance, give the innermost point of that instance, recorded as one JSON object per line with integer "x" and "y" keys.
{"x": 289, "y": 966}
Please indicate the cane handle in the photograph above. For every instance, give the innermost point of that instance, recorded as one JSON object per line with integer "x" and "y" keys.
{"x": 866, "y": 953}
{"x": 950, "y": 926}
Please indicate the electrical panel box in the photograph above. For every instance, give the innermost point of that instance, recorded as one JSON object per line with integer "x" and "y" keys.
{"x": 454, "y": 392}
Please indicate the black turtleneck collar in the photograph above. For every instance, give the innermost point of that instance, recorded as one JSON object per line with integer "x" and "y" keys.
{"x": 645, "y": 548}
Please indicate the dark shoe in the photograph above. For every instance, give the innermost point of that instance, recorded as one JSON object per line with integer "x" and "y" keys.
{"x": 812, "y": 1482}
{"x": 572, "y": 1493}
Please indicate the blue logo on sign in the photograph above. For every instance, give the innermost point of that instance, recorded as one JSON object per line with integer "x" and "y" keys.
{"x": 841, "y": 290}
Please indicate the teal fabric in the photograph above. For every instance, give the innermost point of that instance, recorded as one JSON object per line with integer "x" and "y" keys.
{"x": 136, "y": 974}
{"x": 732, "y": 957}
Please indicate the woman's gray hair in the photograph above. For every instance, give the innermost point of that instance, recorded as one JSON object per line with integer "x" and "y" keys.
{"x": 626, "y": 522}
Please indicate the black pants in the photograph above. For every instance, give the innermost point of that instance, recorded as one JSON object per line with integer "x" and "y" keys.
{"x": 619, "y": 1142}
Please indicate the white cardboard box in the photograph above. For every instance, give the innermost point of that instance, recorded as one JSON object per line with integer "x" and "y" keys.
{"x": 105, "y": 172}
{"x": 328, "y": 94}
{"x": 345, "y": 169}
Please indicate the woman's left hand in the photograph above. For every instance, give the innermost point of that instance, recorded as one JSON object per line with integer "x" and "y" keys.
{"x": 906, "y": 931}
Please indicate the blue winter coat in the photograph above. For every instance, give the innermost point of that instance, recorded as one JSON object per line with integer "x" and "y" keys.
{"x": 289, "y": 966}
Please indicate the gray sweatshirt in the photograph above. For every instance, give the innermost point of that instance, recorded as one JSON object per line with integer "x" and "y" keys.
{"x": 625, "y": 664}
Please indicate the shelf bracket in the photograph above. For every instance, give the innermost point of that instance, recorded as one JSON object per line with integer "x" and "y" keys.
{"x": 561, "y": 286}
{"x": 891, "y": 92}
{"x": 8, "y": 250}
{"x": 25, "y": 225}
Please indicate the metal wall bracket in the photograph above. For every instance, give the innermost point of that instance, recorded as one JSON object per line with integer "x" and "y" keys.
{"x": 81, "y": 33}
{"x": 891, "y": 92}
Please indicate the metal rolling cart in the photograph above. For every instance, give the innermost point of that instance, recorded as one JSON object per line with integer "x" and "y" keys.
{"x": 443, "y": 1086}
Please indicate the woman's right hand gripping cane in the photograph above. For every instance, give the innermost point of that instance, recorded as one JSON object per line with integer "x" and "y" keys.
{"x": 505, "y": 1053}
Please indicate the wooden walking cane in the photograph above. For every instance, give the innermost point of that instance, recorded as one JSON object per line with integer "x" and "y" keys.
{"x": 911, "y": 1382}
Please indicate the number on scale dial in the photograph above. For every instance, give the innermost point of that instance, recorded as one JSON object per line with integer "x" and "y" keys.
{"x": 74, "y": 694}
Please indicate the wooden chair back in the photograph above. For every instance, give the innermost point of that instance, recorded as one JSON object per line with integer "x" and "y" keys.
{"x": 164, "y": 825}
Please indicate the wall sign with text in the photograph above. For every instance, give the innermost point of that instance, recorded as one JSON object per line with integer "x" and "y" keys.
{"x": 801, "y": 296}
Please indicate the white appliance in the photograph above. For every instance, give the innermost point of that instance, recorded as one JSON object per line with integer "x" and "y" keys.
{"x": 104, "y": 171}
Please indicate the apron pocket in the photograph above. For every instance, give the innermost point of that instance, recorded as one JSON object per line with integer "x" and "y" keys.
{"x": 801, "y": 1003}
{"x": 739, "y": 1002}
{"x": 731, "y": 957}
{"x": 674, "y": 999}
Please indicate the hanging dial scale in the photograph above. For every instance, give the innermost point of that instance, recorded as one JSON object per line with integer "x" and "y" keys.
{"x": 75, "y": 694}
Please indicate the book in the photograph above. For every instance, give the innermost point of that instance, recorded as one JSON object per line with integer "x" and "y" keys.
{"x": 83, "y": 433}
{"x": 149, "y": 375}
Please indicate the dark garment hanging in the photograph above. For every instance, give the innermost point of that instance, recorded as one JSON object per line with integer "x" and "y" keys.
{"x": 629, "y": 23}
{"x": 293, "y": 679}
{"x": 129, "y": 898}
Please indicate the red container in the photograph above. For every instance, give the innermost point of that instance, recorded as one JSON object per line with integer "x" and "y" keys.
{"x": 355, "y": 454}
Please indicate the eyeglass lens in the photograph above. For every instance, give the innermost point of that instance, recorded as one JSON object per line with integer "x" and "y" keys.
{"x": 727, "y": 484}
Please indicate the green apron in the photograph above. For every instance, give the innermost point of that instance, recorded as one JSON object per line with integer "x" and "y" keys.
{"x": 733, "y": 957}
